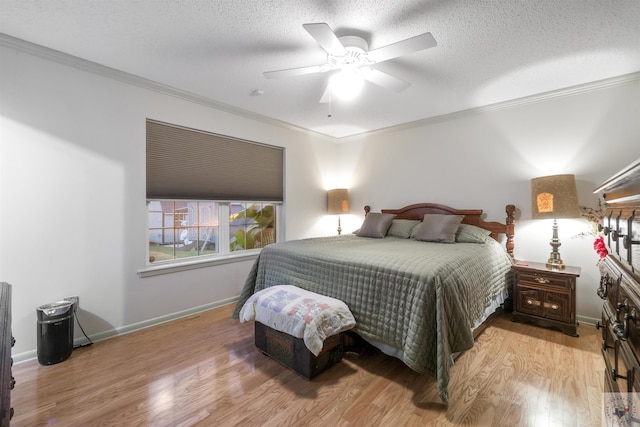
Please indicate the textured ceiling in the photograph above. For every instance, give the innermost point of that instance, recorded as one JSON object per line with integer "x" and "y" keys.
{"x": 488, "y": 51}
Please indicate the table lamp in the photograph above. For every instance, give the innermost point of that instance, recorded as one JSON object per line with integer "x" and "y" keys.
{"x": 338, "y": 203}
{"x": 554, "y": 197}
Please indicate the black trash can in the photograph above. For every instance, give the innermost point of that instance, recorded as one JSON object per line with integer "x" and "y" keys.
{"x": 55, "y": 332}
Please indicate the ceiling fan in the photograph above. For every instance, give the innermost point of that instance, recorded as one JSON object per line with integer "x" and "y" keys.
{"x": 350, "y": 60}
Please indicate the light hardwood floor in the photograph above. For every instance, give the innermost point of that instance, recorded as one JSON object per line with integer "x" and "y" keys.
{"x": 204, "y": 370}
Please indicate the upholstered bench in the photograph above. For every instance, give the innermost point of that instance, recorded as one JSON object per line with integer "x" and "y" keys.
{"x": 300, "y": 329}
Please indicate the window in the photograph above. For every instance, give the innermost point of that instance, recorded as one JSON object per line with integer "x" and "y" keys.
{"x": 209, "y": 195}
{"x": 251, "y": 225}
{"x": 185, "y": 229}
{"x": 179, "y": 229}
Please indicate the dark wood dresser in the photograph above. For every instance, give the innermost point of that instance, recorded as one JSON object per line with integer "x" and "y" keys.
{"x": 6, "y": 342}
{"x": 620, "y": 281}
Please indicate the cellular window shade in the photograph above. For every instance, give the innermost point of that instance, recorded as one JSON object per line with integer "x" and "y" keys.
{"x": 185, "y": 163}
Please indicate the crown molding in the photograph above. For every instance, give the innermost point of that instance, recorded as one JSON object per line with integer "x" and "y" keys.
{"x": 124, "y": 77}
{"x": 112, "y": 73}
{"x": 514, "y": 103}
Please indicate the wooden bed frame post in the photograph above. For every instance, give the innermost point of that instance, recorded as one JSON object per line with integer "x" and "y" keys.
{"x": 510, "y": 229}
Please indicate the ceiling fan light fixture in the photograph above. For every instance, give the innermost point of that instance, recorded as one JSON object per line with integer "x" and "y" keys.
{"x": 349, "y": 60}
{"x": 346, "y": 84}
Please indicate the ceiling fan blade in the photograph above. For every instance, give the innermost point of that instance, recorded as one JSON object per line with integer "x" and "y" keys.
{"x": 414, "y": 44}
{"x": 385, "y": 80}
{"x": 326, "y": 96}
{"x": 290, "y": 72}
{"x": 326, "y": 38}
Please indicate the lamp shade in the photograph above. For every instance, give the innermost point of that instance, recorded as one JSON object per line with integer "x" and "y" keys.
{"x": 554, "y": 197}
{"x": 338, "y": 201}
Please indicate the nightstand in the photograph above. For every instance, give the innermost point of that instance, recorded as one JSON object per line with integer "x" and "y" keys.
{"x": 545, "y": 297}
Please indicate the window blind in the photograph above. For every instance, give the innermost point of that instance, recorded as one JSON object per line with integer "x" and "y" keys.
{"x": 184, "y": 163}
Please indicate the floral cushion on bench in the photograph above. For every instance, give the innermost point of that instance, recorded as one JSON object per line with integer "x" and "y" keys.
{"x": 299, "y": 313}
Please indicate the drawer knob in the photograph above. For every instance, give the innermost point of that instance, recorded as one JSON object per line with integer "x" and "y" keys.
{"x": 624, "y": 305}
{"x": 605, "y": 282}
{"x": 615, "y": 375}
{"x": 616, "y": 234}
{"x": 618, "y": 329}
{"x": 542, "y": 280}
{"x": 623, "y": 329}
{"x": 626, "y": 242}
{"x": 532, "y": 301}
{"x": 553, "y": 306}
{"x": 605, "y": 230}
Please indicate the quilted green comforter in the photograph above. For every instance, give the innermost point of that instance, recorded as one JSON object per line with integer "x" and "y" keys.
{"x": 421, "y": 299}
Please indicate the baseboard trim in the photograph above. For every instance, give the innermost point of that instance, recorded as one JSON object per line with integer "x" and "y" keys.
{"x": 123, "y": 330}
{"x": 587, "y": 320}
{"x": 28, "y": 356}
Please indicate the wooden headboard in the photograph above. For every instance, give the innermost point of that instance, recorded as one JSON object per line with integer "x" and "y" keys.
{"x": 471, "y": 216}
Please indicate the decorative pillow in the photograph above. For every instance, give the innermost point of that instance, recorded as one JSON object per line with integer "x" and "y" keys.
{"x": 415, "y": 229}
{"x": 471, "y": 234}
{"x": 439, "y": 228}
{"x": 401, "y": 228}
{"x": 375, "y": 225}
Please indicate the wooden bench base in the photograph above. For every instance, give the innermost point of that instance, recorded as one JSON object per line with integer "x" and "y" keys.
{"x": 293, "y": 354}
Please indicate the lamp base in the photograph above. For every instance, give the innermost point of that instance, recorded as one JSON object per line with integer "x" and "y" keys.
{"x": 555, "y": 262}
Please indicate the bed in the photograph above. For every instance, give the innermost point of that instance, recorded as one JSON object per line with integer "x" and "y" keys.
{"x": 417, "y": 300}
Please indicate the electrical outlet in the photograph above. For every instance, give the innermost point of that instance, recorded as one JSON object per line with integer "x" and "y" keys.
{"x": 74, "y": 300}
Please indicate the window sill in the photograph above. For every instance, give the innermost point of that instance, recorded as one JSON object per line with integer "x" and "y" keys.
{"x": 175, "y": 267}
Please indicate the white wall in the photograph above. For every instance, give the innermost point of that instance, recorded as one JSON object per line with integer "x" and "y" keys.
{"x": 486, "y": 159}
{"x": 72, "y": 195}
{"x": 72, "y": 187}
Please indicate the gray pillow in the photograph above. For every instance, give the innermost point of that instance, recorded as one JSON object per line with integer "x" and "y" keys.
{"x": 375, "y": 225}
{"x": 401, "y": 228}
{"x": 439, "y": 228}
{"x": 468, "y": 233}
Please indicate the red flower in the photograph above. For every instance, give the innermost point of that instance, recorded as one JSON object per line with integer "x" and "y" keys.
{"x": 600, "y": 247}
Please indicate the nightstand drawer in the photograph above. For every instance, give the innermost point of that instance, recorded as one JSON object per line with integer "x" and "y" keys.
{"x": 529, "y": 301}
{"x": 544, "y": 280}
{"x": 557, "y": 306}
{"x": 550, "y": 305}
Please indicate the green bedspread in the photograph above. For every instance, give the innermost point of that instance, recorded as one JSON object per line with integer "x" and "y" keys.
{"x": 419, "y": 298}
